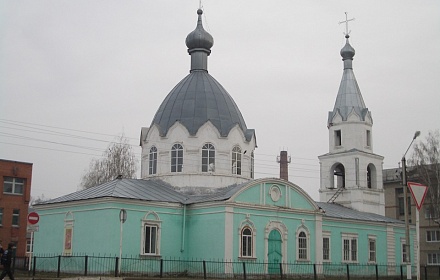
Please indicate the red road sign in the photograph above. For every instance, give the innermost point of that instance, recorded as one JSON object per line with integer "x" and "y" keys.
{"x": 418, "y": 192}
{"x": 33, "y": 218}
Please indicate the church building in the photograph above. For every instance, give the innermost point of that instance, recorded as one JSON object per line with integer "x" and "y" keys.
{"x": 197, "y": 197}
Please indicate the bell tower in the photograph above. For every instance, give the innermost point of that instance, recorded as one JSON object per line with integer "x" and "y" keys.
{"x": 350, "y": 173}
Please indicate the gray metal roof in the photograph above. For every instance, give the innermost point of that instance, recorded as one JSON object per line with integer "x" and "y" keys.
{"x": 349, "y": 96}
{"x": 156, "y": 190}
{"x": 147, "y": 190}
{"x": 199, "y": 98}
{"x": 334, "y": 210}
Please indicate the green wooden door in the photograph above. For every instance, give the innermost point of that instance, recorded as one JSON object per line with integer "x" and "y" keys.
{"x": 274, "y": 255}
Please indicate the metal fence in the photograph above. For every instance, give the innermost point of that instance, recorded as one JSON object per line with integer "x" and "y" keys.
{"x": 69, "y": 266}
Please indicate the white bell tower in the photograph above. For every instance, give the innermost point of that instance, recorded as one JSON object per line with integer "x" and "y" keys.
{"x": 351, "y": 174}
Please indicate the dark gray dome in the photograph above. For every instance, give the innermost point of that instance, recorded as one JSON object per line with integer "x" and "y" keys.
{"x": 196, "y": 99}
{"x": 199, "y": 38}
{"x": 347, "y": 52}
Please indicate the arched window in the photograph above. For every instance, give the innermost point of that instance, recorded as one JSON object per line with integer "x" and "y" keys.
{"x": 176, "y": 158}
{"x": 252, "y": 165}
{"x": 208, "y": 158}
{"x": 338, "y": 176}
{"x": 302, "y": 246}
{"x": 151, "y": 234}
{"x": 371, "y": 176}
{"x": 236, "y": 160}
{"x": 152, "y": 168}
{"x": 246, "y": 242}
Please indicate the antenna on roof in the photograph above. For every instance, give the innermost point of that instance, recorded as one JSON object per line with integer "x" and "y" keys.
{"x": 346, "y": 23}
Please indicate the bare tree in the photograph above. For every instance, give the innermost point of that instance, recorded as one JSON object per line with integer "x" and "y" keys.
{"x": 426, "y": 163}
{"x": 38, "y": 199}
{"x": 117, "y": 160}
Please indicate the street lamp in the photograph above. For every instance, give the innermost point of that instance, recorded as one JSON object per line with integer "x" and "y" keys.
{"x": 122, "y": 219}
{"x": 405, "y": 205}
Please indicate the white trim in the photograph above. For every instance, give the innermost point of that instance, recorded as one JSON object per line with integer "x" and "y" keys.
{"x": 151, "y": 219}
{"x": 350, "y": 237}
{"x": 372, "y": 238}
{"x": 247, "y": 224}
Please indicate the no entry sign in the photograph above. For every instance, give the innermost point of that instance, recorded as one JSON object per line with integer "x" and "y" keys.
{"x": 33, "y": 218}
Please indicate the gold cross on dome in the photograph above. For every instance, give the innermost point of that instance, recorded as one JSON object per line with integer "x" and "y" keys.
{"x": 346, "y": 23}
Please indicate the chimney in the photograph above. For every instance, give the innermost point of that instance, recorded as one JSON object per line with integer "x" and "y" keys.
{"x": 284, "y": 161}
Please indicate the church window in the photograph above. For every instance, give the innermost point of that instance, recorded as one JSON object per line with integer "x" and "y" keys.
{"x": 338, "y": 176}
{"x": 12, "y": 185}
{"x": 177, "y": 158}
{"x": 403, "y": 245}
{"x": 372, "y": 249}
{"x": 368, "y": 138}
{"x": 349, "y": 249}
{"x": 208, "y": 158}
{"x": 236, "y": 160}
{"x": 326, "y": 248}
{"x": 151, "y": 234}
{"x": 252, "y": 165}
{"x": 246, "y": 242}
{"x": 338, "y": 138}
{"x": 152, "y": 161}
{"x": 150, "y": 239}
{"x": 302, "y": 246}
{"x": 368, "y": 177}
{"x": 371, "y": 176}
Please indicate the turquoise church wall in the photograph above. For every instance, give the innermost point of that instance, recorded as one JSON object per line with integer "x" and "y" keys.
{"x": 211, "y": 230}
{"x": 289, "y": 206}
{"x": 205, "y": 231}
{"x": 96, "y": 229}
{"x": 363, "y": 231}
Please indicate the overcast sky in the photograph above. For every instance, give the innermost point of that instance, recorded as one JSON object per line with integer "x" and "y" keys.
{"x": 75, "y": 74}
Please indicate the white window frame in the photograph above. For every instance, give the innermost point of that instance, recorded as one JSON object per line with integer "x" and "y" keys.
{"x": 208, "y": 158}
{"x": 433, "y": 258}
{"x": 403, "y": 250}
{"x": 177, "y": 158}
{"x": 304, "y": 241}
{"x": 350, "y": 254}
{"x": 152, "y": 161}
{"x": 432, "y": 236}
{"x": 372, "y": 252}
{"x": 1, "y": 216}
{"x": 15, "y": 184}
{"x": 236, "y": 160}
{"x": 151, "y": 220}
{"x": 248, "y": 240}
{"x": 247, "y": 224}
{"x": 326, "y": 235}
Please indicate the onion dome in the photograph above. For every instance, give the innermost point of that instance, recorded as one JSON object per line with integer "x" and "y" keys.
{"x": 347, "y": 52}
{"x": 199, "y": 98}
{"x": 199, "y": 43}
{"x": 199, "y": 38}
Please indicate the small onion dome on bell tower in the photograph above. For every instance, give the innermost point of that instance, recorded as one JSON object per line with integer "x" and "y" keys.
{"x": 199, "y": 43}
{"x": 347, "y": 53}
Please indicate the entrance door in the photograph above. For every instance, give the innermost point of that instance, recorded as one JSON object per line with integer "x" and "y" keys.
{"x": 274, "y": 255}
